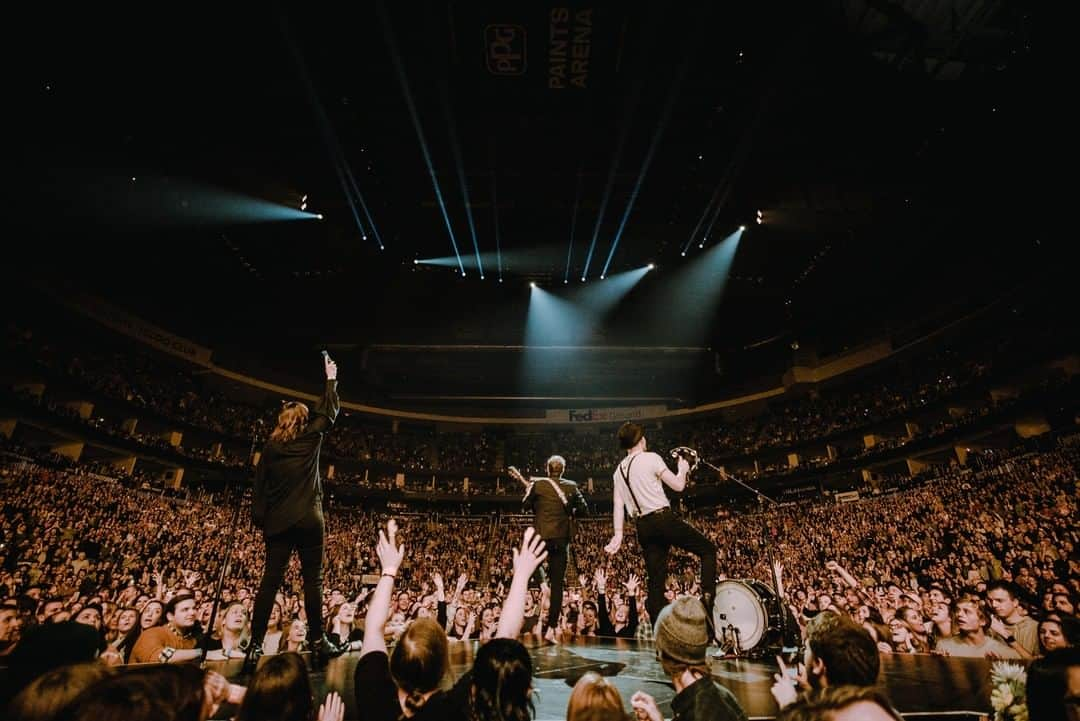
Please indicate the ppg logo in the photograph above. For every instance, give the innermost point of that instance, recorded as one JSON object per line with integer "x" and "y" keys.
{"x": 505, "y": 49}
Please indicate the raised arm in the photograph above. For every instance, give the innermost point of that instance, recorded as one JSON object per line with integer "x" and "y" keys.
{"x": 390, "y": 555}
{"x": 526, "y": 559}
{"x": 676, "y": 481}
{"x": 326, "y": 410}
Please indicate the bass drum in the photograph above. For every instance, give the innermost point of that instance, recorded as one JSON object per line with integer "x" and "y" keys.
{"x": 746, "y": 615}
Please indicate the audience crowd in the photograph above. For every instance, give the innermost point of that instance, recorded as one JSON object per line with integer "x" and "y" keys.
{"x": 979, "y": 559}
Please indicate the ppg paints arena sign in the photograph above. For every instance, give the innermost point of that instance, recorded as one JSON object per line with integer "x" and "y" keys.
{"x": 565, "y": 39}
{"x": 569, "y": 48}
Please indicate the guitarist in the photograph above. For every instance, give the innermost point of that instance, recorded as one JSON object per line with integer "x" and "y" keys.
{"x": 554, "y": 501}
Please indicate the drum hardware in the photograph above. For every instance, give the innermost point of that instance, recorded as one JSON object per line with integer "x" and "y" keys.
{"x": 695, "y": 459}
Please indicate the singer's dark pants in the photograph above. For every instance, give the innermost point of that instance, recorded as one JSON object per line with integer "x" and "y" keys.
{"x": 306, "y": 537}
{"x": 657, "y": 532}
{"x": 557, "y": 551}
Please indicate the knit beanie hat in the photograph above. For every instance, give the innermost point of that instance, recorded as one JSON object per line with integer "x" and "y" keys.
{"x": 680, "y": 632}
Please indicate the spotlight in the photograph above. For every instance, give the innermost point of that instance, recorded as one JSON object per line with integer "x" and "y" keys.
{"x": 319, "y": 216}
{"x": 701, "y": 245}
{"x": 304, "y": 199}
{"x": 364, "y": 236}
{"x": 303, "y": 206}
{"x": 565, "y": 281}
{"x": 602, "y": 277}
{"x": 416, "y": 261}
{"x": 582, "y": 279}
{"x": 500, "y": 280}
{"x": 651, "y": 266}
{"x": 532, "y": 284}
{"x": 684, "y": 254}
{"x": 742, "y": 227}
{"x": 481, "y": 277}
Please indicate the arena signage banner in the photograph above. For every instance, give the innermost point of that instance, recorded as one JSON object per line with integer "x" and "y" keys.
{"x": 139, "y": 329}
{"x": 605, "y": 415}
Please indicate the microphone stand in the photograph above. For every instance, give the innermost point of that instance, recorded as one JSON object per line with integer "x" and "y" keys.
{"x": 784, "y": 617}
{"x": 227, "y": 556}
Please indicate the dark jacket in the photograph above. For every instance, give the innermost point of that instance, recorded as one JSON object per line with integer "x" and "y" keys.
{"x": 706, "y": 700}
{"x": 287, "y": 483}
{"x": 552, "y": 517}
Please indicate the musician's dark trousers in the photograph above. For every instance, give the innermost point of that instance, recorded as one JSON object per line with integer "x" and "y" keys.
{"x": 659, "y": 531}
{"x": 306, "y": 537}
{"x": 557, "y": 550}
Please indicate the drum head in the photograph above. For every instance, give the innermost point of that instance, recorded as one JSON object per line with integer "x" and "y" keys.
{"x": 739, "y": 613}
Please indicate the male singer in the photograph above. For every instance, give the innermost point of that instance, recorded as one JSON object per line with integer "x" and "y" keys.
{"x": 554, "y": 500}
{"x": 288, "y": 507}
{"x": 639, "y": 483}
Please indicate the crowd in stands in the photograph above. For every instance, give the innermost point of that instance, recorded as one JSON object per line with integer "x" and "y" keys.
{"x": 181, "y": 395}
{"x": 979, "y": 559}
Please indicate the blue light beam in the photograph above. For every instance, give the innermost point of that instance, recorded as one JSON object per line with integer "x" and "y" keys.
{"x": 403, "y": 80}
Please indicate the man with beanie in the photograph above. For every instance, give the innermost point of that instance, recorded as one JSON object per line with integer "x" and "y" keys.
{"x": 682, "y": 641}
{"x": 639, "y": 484}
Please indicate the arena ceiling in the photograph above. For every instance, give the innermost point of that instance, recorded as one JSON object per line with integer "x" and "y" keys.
{"x": 889, "y": 147}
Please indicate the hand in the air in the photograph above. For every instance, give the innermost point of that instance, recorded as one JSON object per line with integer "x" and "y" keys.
{"x": 390, "y": 554}
{"x": 530, "y": 555}
{"x": 332, "y": 709}
{"x": 632, "y": 584}
{"x": 601, "y": 580}
{"x": 331, "y": 368}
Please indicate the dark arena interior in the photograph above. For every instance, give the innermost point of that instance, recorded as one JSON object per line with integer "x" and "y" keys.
{"x": 502, "y": 361}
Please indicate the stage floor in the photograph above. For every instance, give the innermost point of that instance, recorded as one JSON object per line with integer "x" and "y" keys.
{"x": 920, "y": 686}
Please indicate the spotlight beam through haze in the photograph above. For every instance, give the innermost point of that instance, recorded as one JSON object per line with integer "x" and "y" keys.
{"x": 403, "y": 80}
{"x": 661, "y": 126}
{"x": 573, "y": 222}
{"x": 615, "y": 162}
{"x": 455, "y": 147}
{"x": 333, "y": 147}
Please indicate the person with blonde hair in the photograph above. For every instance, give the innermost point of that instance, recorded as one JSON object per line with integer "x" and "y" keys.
{"x": 288, "y": 507}
{"x": 594, "y": 698}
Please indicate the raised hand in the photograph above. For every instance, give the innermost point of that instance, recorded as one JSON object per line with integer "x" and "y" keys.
{"x": 332, "y": 709}
{"x": 330, "y": 367}
{"x": 436, "y": 578}
{"x": 390, "y": 554}
{"x": 515, "y": 474}
{"x": 632, "y": 584}
{"x": 786, "y": 688}
{"x": 461, "y": 581}
{"x": 645, "y": 708}
{"x": 530, "y": 555}
{"x": 601, "y": 580}
{"x": 831, "y": 566}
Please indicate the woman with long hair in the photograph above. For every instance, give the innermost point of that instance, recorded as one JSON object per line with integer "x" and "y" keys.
{"x": 296, "y": 640}
{"x": 407, "y": 684}
{"x": 126, "y": 634}
{"x": 1057, "y": 631}
{"x": 288, "y": 507}
{"x": 594, "y": 698}
{"x": 271, "y": 640}
{"x": 342, "y": 631}
{"x": 232, "y": 636}
{"x": 280, "y": 690}
{"x": 153, "y": 614}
